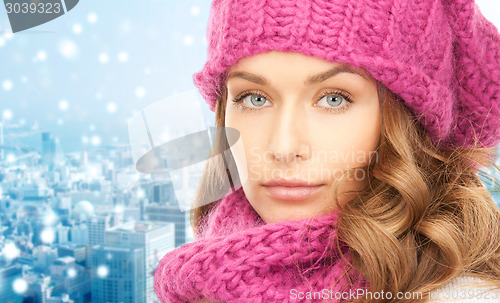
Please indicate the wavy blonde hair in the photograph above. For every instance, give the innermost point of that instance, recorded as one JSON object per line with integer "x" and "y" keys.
{"x": 424, "y": 216}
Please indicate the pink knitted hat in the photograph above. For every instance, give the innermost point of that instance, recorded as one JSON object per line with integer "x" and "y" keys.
{"x": 440, "y": 56}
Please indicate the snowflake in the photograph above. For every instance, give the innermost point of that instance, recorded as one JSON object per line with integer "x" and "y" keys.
{"x": 68, "y": 49}
{"x": 7, "y": 85}
{"x": 47, "y": 235}
{"x": 102, "y": 271}
{"x": 63, "y": 105}
{"x": 111, "y": 107}
{"x": 188, "y": 40}
{"x": 123, "y": 56}
{"x": 140, "y": 92}
{"x": 41, "y": 56}
{"x": 96, "y": 140}
{"x": 7, "y": 114}
{"x": 195, "y": 10}
{"x": 20, "y": 286}
{"x": 103, "y": 58}
{"x": 10, "y": 251}
{"x": 92, "y": 18}
{"x": 77, "y": 28}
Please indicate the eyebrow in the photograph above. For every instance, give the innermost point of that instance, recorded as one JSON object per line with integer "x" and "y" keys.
{"x": 342, "y": 68}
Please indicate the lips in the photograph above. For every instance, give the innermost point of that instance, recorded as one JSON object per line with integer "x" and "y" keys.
{"x": 292, "y": 193}
{"x": 291, "y": 189}
{"x": 290, "y": 183}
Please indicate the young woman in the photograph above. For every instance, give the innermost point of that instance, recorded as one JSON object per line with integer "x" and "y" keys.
{"x": 365, "y": 126}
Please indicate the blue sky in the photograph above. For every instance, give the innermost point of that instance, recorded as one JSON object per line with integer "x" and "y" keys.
{"x": 83, "y": 75}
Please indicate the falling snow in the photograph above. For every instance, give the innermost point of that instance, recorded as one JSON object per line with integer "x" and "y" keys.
{"x": 47, "y": 235}
{"x": 10, "y": 251}
{"x": 50, "y": 218}
{"x": 118, "y": 209}
{"x": 71, "y": 272}
{"x": 68, "y": 49}
{"x": 103, "y": 58}
{"x": 195, "y": 10}
{"x": 140, "y": 194}
{"x": 7, "y": 114}
{"x": 140, "y": 92}
{"x": 188, "y": 40}
{"x": 20, "y": 286}
{"x": 92, "y": 18}
{"x": 96, "y": 140}
{"x": 122, "y": 56}
{"x": 7, "y": 85}
{"x": 41, "y": 56}
{"x": 63, "y": 105}
{"x": 111, "y": 107}
{"x": 93, "y": 171}
{"x": 77, "y": 28}
{"x": 102, "y": 271}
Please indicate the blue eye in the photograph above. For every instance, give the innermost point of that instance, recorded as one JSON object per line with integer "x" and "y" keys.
{"x": 256, "y": 101}
{"x": 336, "y": 100}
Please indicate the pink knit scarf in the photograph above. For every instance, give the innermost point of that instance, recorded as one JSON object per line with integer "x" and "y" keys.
{"x": 239, "y": 258}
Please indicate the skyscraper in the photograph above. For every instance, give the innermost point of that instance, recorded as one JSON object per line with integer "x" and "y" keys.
{"x": 97, "y": 226}
{"x": 172, "y": 213}
{"x": 7, "y": 277}
{"x": 118, "y": 274}
{"x": 153, "y": 240}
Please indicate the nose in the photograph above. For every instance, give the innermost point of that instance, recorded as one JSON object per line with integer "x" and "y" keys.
{"x": 289, "y": 134}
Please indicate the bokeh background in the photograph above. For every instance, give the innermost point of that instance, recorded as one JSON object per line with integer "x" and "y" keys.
{"x": 83, "y": 75}
{"x": 77, "y": 220}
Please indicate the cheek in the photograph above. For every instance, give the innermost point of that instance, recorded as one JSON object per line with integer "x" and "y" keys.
{"x": 363, "y": 137}
{"x": 349, "y": 141}
{"x": 247, "y": 152}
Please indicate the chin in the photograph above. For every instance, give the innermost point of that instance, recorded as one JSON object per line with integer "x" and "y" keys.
{"x": 287, "y": 213}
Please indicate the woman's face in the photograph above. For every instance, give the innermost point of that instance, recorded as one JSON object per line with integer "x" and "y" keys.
{"x": 305, "y": 119}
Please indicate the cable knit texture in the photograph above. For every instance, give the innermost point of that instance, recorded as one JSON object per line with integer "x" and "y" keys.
{"x": 239, "y": 258}
{"x": 440, "y": 56}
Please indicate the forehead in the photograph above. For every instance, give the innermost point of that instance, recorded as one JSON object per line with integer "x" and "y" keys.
{"x": 312, "y": 69}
